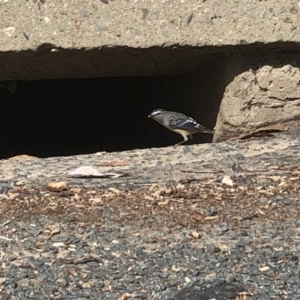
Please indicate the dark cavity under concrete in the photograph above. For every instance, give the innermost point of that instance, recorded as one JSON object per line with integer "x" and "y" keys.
{"x": 54, "y": 117}
{"x": 75, "y": 116}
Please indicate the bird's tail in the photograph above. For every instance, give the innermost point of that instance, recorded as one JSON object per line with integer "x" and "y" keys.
{"x": 209, "y": 131}
{"x": 204, "y": 130}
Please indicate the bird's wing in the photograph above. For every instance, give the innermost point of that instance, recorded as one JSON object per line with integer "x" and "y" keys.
{"x": 187, "y": 124}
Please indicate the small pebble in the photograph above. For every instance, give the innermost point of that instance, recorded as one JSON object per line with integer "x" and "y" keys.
{"x": 224, "y": 227}
{"x": 211, "y": 211}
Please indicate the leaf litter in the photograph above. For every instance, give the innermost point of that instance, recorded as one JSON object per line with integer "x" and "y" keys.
{"x": 239, "y": 198}
{"x": 90, "y": 172}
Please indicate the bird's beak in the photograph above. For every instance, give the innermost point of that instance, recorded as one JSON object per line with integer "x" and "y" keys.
{"x": 150, "y": 116}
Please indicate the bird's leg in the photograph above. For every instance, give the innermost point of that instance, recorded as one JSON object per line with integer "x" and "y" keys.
{"x": 185, "y": 140}
{"x": 179, "y": 143}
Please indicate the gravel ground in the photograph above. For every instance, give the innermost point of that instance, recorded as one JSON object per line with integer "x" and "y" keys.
{"x": 174, "y": 227}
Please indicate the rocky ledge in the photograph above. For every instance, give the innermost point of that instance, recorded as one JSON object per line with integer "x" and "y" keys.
{"x": 192, "y": 222}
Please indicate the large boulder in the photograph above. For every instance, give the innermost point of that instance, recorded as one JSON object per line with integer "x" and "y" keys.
{"x": 259, "y": 98}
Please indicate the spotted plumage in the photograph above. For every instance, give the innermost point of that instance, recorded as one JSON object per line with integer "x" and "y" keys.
{"x": 179, "y": 123}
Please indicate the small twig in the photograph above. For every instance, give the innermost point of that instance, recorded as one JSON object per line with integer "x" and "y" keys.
{"x": 5, "y": 223}
{"x": 5, "y": 238}
{"x": 244, "y": 295}
{"x": 202, "y": 172}
{"x": 290, "y": 168}
{"x": 83, "y": 260}
{"x": 250, "y": 217}
{"x": 260, "y": 131}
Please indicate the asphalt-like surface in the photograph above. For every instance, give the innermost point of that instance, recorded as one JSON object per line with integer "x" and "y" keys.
{"x": 180, "y": 224}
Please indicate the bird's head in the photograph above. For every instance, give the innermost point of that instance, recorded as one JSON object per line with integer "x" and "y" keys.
{"x": 157, "y": 113}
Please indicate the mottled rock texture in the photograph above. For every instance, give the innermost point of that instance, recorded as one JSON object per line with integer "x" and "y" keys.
{"x": 105, "y": 38}
{"x": 260, "y": 98}
{"x": 146, "y": 23}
